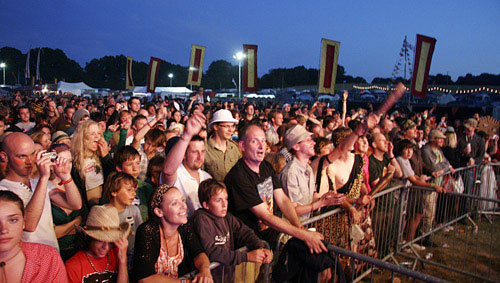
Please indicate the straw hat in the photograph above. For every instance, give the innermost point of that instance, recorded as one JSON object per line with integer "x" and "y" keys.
{"x": 103, "y": 224}
{"x": 59, "y": 136}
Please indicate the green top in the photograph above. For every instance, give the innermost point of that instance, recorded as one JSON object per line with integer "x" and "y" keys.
{"x": 144, "y": 191}
{"x": 218, "y": 163}
{"x": 66, "y": 243}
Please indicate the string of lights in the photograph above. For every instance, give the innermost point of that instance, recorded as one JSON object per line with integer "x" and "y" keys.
{"x": 441, "y": 89}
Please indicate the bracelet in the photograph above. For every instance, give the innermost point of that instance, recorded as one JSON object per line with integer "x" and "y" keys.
{"x": 150, "y": 125}
{"x": 66, "y": 182}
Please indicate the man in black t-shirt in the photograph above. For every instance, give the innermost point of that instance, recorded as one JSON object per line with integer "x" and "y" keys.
{"x": 382, "y": 158}
{"x": 253, "y": 187}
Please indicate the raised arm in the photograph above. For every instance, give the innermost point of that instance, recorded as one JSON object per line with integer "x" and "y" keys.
{"x": 34, "y": 208}
{"x": 136, "y": 143}
{"x": 71, "y": 199}
{"x": 176, "y": 154}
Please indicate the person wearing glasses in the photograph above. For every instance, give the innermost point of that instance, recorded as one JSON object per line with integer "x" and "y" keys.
{"x": 221, "y": 152}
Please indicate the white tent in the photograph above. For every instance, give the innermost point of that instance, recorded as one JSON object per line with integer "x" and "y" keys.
{"x": 175, "y": 92}
{"x": 74, "y": 88}
{"x": 446, "y": 98}
{"x": 328, "y": 97}
{"x": 257, "y": 96}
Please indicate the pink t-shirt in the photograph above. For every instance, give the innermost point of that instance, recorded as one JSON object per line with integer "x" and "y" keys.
{"x": 43, "y": 264}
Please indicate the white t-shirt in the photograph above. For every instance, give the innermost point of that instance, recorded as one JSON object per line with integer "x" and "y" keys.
{"x": 44, "y": 232}
{"x": 188, "y": 185}
{"x": 132, "y": 215}
{"x": 405, "y": 168}
{"x": 25, "y": 127}
{"x": 93, "y": 174}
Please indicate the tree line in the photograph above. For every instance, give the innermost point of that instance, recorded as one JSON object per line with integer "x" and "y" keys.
{"x": 109, "y": 72}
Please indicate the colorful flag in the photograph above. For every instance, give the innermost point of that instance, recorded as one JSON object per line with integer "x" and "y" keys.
{"x": 328, "y": 66}
{"x": 154, "y": 66}
{"x": 250, "y": 68}
{"x": 196, "y": 65}
{"x": 129, "y": 82}
{"x": 422, "y": 64}
{"x": 38, "y": 65}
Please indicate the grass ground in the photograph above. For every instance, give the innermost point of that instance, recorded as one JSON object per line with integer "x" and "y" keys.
{"x": 473, "y": 251}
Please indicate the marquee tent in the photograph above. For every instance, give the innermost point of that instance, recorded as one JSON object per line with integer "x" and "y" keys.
{"x": 74, "y": 88}
{"x": 446, "y": 98}
{"x": 175, "y": 92}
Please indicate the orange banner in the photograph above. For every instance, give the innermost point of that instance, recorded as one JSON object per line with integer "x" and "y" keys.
{"x": 196, "y": 65}
{"x": 328, "y": 65}
{"x": 154, "y": 66}
{"x": 129, "y": 82}
{"x": 250, "y": 68}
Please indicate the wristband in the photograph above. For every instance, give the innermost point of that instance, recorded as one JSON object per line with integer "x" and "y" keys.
{"x": 150, "y": 125}
{"x": 66, "y": 182}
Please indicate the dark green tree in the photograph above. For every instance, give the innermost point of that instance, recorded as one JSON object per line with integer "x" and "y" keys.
{"x": 220, "y": 74}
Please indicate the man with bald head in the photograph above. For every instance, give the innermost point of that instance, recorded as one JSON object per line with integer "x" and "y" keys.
{"x": 18, "y": 150}
{"x": 254, "y": 187}
{"x": 382, "y": 160}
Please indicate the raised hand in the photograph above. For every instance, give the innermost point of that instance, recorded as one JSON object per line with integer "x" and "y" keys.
{"x": 114, "y": 127}
{"x": 194, "y": 124}
{"x": 122, "y": 245}
{"x": 102, "y": 148}
{"x": 63, "y": 168}
{"x": 43, "y": 164}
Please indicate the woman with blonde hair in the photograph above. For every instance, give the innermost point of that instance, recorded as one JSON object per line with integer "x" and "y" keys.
{"x": 42, "y": 138}
{"x": 91, "y": 161}
{"x": 449, "y": 148}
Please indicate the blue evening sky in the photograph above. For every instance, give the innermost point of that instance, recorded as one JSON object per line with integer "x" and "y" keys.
{"x": 288, "y": 33}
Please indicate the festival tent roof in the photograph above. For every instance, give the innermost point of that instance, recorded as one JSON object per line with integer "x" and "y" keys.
{"x": 171, "y": 91}
{"x": 446, "y": 98}
{"x": 327, "y": 97}
{"x": 74, "y": 88}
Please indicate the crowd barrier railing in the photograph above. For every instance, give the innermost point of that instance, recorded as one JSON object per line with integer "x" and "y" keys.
{"x": 458, "y": 231}
{"x": 461, "y": 222}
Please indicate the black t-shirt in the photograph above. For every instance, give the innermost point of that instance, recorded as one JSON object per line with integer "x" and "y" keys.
{"x": 376, "y": 167}
{"x": 247, "y": 189}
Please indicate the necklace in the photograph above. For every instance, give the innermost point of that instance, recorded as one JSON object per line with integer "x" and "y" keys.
{"x": 95, "y": 269}
{"x": 4, "y": 262}
{"x": 166, "y": 238}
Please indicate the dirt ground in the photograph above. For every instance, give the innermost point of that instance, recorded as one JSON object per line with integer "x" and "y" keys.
{"x": 475, "y": 251}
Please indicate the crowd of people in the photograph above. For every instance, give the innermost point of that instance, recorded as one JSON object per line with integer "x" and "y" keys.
{"x": 129, "y": 190}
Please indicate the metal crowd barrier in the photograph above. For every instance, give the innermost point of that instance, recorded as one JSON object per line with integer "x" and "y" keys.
{"x": 461, "y": 223}
{"x": 458, "y": 230}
